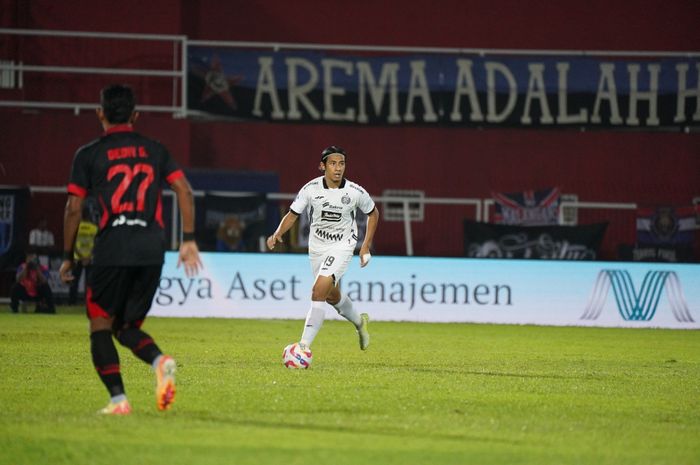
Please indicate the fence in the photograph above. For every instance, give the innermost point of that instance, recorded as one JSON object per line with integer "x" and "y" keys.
{"x": 410, "y": 234}
{"x": 14, "y": 72}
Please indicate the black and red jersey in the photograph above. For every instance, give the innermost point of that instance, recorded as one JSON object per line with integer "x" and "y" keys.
{"x": 125, "y": 171}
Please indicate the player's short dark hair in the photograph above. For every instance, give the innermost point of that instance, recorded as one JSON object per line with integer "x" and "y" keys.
{"x": 331, "y": 150}
{"x": 118, "y": 103}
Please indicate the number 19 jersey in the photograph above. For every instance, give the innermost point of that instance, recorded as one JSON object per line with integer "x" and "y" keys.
{"x": 124, "y": 171}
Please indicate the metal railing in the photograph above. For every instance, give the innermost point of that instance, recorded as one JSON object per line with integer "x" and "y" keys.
{"x": 481, "y": 207}
{"x": 180, "y": 43}
{"x": 175, "y": 230}
{"x": 178, "y": 105}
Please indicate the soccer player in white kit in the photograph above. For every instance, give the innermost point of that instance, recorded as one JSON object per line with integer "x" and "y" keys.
{"x": 331, "y": 201}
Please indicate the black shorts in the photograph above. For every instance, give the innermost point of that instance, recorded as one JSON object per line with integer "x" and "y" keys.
{"x": 122, "y": 292}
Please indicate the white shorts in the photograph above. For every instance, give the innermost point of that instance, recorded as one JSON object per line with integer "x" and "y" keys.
{"x": 331, "y": 263}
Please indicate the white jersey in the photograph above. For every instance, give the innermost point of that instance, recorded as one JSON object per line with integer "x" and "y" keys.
{"x": 332, "y": 213}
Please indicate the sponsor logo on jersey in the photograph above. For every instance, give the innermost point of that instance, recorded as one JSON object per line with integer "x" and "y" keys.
{"x": 357, "y": 188}
{"x": 330, "y": 216}
{"x": 122, "y": 220}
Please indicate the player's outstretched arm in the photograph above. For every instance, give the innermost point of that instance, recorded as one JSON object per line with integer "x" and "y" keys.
{"x": 189, "y": 258}
{"x": 283, "y": 227}
{"x": 189, "y": 252}
{"x": 372, "y": 221}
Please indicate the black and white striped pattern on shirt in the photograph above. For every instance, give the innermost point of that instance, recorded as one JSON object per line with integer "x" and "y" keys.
{"x": 328, "y": 236}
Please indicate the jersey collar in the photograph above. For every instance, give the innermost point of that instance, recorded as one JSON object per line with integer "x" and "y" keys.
{"x": 325, "y": 184}
{"x": 119, "y": 128}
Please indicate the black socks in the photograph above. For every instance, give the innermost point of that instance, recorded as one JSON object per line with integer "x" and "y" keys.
{"x": 106, "y": 361}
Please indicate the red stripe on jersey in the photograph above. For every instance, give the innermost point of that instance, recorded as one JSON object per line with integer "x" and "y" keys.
{"x": 105, "y": 213}
{"x": 93, "y": 308}
{"x": 77, "y": 190}
{"x": 120, "y": 128}
{"x": 159, "y": 211}
{"x": 174, "y": 176}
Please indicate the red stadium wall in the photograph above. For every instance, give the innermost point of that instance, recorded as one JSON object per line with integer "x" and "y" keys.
{"x": 646, "y": 168}
{"x": 591, "y": 25}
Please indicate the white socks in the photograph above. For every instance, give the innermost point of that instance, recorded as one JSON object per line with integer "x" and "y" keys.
{"x": 317, "y": 313}
{"x": 314, "y": 321}
{"x": 118, "y": 398}
{"x": 346, "y": 310}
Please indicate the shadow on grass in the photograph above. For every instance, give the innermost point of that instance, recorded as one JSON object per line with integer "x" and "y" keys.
{"x": 413, "y": 434}
{"x": 503, "y": 374}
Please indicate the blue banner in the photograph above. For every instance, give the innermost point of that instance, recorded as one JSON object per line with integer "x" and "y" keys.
{"x": 444, "y": 89}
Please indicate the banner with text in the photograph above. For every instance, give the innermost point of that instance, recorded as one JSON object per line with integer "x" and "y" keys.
{"x": 487, "y": 240}
{"x": 664, "y": 234}
{"x": 443, "y": 89}
{"x": 545, "y": 292}
{"x": 527, "y": 208}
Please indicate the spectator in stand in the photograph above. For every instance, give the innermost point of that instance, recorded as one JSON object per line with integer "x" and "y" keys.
{"x": 32, "y": 285}
{"x": 41, "y": 239}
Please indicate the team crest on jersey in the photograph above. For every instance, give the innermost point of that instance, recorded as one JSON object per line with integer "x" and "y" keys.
{"x": 345, "y": 200}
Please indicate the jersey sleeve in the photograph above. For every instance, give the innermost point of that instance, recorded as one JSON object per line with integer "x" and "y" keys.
{"x": 79, "y": 181}
{"x": 171, "y": 170}
{"x": 300, "y": 202}
{"x": 365, "y": 203}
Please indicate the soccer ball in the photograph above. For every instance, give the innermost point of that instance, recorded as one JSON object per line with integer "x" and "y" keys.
{"x": 295, "y": 357}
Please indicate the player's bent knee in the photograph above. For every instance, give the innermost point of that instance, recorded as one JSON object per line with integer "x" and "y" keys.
{"x": 333, "y": 296}
{"x": 101, "y": 324}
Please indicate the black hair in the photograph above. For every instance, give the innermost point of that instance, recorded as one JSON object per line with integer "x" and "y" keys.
{"x": 118, "y": 103}
{"x": 331, "y": 150}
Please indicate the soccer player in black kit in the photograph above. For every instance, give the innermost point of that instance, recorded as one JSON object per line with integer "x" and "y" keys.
{"x": 124, "y": 171}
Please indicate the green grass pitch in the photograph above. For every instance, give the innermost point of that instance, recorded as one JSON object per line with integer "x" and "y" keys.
{"x": 422, "y": 394}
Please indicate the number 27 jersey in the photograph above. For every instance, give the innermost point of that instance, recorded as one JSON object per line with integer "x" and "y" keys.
{"x": 124, "y": 171}
{"x": 332, "y": 213}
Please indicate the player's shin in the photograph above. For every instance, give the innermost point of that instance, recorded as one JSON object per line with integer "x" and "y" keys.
{"x": 106, "y": 360}
{"x": 314, "y": 321}
{"x": 345, "y": 309}
{"x": 140, "y": 343}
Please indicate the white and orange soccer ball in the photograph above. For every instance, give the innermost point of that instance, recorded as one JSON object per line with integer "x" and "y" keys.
{"x": 296, "y": 357}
